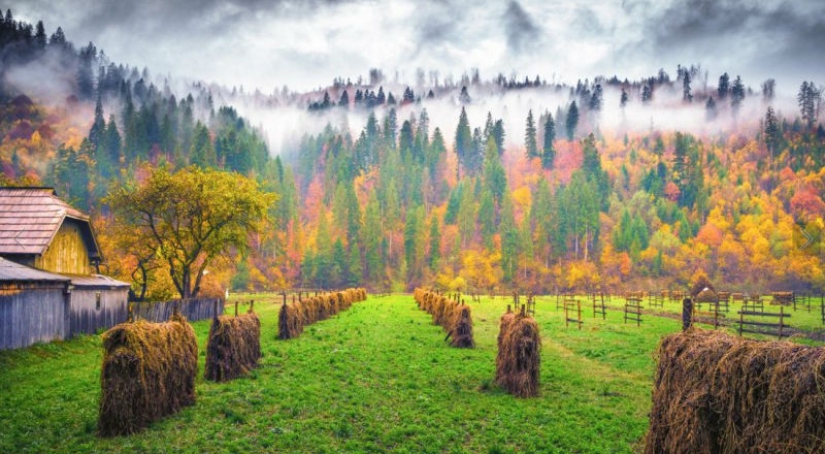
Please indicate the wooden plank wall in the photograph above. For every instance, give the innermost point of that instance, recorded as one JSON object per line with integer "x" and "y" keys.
{"x": 87, "y": 318}
{"x": 29, "y": 316}
{"x": 67, "y": 253}
{"x": 193, "y": 309}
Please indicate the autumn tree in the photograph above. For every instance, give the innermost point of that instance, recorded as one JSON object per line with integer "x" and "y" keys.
{"x": 191, "y": 217}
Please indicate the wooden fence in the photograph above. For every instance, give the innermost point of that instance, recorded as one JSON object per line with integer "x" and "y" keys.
{"x": 193, "y": 309}
{"x": 761, "y": 327}
{"x": 633, "y": 310}
{"x": 573, "y": 306}
{"x": 598, "y": 305}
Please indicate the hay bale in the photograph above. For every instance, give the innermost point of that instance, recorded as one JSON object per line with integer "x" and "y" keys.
{"x": 700, "y": 284}
{"x": 148, "y": 372}
{"x": 461, "y": 330}
{"x": 519, "y": 357}
{"x": 717, "y": 393}
{"x": 706, "y": 295}
{"x": 290, "y": 324}
{"x": 233, "y": 347}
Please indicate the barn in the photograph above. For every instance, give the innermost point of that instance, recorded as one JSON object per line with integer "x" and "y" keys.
{"x": 50, "y": 286}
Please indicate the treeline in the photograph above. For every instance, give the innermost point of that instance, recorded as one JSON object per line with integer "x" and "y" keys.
{"x": 398, "y": 207}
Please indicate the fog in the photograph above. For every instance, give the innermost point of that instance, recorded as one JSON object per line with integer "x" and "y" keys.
{"x": 258, "y": 47}
{"x": 305, "y": 44}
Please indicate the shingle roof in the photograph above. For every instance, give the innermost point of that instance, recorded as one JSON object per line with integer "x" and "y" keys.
{"x": 30, "y": 217}
{"x": 14, "y": 272}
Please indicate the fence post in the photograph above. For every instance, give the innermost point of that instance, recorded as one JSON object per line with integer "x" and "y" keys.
{"x": 687, "y": 313}
{"x": 781, "y": 320}
{"x": 215, "y": 308}
{"x": 236, "y": 308}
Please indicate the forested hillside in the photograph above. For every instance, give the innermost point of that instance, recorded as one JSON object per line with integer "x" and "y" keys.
{"x": 605, "y": 184}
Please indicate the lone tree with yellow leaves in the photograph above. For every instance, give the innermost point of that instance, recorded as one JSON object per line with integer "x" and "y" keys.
{"x": 190, "y": 217}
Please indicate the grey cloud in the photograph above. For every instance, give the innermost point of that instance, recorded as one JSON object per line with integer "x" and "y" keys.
{"x": 754, "y": 33}
{"x": 257, "y": 42}
{"x": 520, "y": 28}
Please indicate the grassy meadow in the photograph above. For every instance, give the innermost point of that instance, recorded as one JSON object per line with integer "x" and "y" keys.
{"x": 376, "y": 378}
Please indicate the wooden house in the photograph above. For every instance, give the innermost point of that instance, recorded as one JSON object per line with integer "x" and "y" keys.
{"x": 49, "y": 260}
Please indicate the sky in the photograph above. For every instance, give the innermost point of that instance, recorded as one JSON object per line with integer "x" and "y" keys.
{"x": 269, "y": 44}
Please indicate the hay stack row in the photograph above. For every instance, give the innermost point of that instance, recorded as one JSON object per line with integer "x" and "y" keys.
{"x": 718, "y": 393}
{"x": 455, "y": 318}
{"x": 234, "y": 346}
{"x": 518, "y": 362}
{"x": 148, "y": 372}
{"x": 294, "y": 317}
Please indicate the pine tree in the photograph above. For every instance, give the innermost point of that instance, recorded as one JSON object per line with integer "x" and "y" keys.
{"x": 498, "y": 135}
{"x": 647, "y": 94}
{"x": 495, "y": 178}
{"x": 530, "y": 144}
{"x": 737, "y": 94}
{"x": 464, "y": 97}
{"x": 40, "y": 35}
{"x": 596, "y": 100}
{"x": 344, "y": 100}
{"x": 572, "y": 120}
{"x": 435, "y": 243}
{"x": 98, "y": 128}
{"x": 710, "y": 109}
{"x": 724, "y": 86}
{"x": 463, "y": 141}
{"x": 773, "y": 135}
{"x": 808, "y": 99}
{"x": 487, "y": 218}
{"x": 624, "y": 98}
{"x": 548, "y": 156}
{"x": 687, "y": 96}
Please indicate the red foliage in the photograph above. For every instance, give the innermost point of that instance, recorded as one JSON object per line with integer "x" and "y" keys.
{"x": 807, "y": 205}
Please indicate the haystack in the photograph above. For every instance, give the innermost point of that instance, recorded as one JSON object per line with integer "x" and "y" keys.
{"x": 148, "y": 372}
{"x": 290, "y": 324}
{"x": 519, "y": 357}
{"x": 717, "y": 393}
{"x": 461, "y": 330}
{"x": 234, "y": 346}
{"x": 700, "y": 284}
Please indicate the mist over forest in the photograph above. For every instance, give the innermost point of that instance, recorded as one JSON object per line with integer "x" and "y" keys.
{"x": 476, "y": 177}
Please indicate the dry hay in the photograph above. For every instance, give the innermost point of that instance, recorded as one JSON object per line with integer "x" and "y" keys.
{"x": 461, "y": 329}
{"x": 290, "y": 323}
{"x": 454, "y": 318}
{"x": 706, "y": 295}
{"x": 701, "y": 284}
{"x": 717, "y": 393}
{"x": 148, "y": 372}
{"x": 782, "y": 298}
{"x": 518, "y": 361}
{"x": 294, "y": 317}
{"x": 233, "y": 348}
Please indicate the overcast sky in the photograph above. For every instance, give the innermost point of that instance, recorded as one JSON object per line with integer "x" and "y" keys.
{"x": 305, "y": 44}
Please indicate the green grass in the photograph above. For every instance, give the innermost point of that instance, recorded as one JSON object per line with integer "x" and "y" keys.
{"x": 376, "y": 378}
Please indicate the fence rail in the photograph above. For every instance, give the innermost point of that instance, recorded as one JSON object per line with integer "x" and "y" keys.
{"x": 193, "y": 309}
{"x": 633, "y": 310}
{"x": 771, "y": 329}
